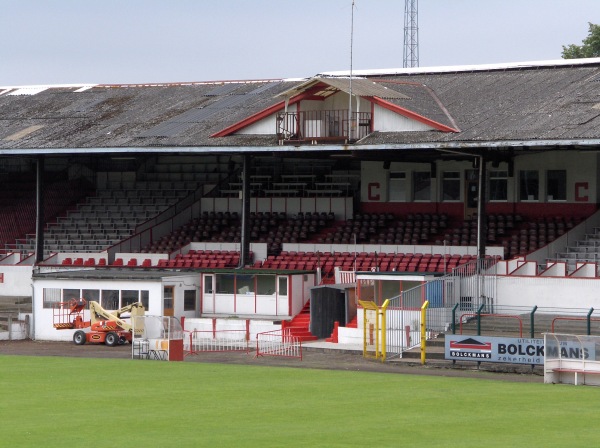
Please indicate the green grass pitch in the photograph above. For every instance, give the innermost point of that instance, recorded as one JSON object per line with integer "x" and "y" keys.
{"x": 55, "y": 401}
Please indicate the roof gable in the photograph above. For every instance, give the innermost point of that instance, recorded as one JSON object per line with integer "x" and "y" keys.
{"x": 319, "y": 88}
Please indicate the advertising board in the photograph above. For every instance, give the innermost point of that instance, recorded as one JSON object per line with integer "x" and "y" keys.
{"x": 510, "y": 350}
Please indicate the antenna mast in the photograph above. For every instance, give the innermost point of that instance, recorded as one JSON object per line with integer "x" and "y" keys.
{"x": 411, "y": 33}
{"x": 350, "y": 124}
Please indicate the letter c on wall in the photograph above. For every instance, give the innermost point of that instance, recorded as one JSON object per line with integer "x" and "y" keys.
{"x": 581, "y": 190}
{"x": 373, "y": 191}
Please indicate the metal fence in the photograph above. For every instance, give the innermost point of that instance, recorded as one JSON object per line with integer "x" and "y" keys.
{"x": 216, "y": 341}
{"x": 322, "y": 124}
{"x": 278, "y": 343}
{"x": 469, "y": 288}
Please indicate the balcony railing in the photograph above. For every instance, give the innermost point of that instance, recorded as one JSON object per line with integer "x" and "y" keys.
{"x": 322, "y": 125}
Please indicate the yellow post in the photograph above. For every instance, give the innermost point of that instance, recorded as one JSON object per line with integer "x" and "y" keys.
{"x": 377, "y": 333}
{"x": 423, "y": 330}
{"x": 367, "y": 336}
{"x": 383, "y": 329}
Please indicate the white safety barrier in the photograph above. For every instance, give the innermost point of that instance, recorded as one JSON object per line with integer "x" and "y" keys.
{"x": 216, "y": 341}
{"x": 278, "y": 343}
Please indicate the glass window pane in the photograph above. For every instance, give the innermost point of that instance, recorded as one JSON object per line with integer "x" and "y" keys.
{"x": 225, "y": 283}
{"x": 265, "y": 284}
{"x": 529, "y": 183}
{"x": 168, "y": 297}
{"x": 145, "y": 298}
{"x": 556, "y": 185}
{"x": 451, "y": 186}
{"x": 110, "y": 299}
{"x": 422, "y": 186}
{"x": 244, "y": 284}
{"x": 51, "y": 296}
{"x": 189, "y": 300}
{"x": 283, "y": 286}
{"x": 498, "y": 190}
{"x": 91, "y": 295}
{"x": 129, "y": 296}
{"x": 69, "y": 294}
{"x": 397, "y": 187}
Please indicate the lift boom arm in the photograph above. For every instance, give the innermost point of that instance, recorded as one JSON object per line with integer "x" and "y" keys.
{"x": 99, "y": 314}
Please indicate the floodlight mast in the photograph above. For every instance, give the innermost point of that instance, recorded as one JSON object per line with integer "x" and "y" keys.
{"x": 350, "y": 125}
{"x": 411, "y": 33}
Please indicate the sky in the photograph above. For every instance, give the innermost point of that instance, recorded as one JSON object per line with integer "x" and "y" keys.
{"x": 155, "y": 41}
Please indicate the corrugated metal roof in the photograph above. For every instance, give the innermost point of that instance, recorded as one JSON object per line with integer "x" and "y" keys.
{"x": 224, "y": 89}
{"x": 490, "y": 108}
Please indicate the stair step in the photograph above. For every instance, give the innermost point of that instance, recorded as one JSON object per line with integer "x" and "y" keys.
{"x": 307, "y": 338}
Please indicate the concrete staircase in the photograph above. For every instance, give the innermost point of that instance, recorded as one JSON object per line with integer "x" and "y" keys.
{"x": 299, "y": 326}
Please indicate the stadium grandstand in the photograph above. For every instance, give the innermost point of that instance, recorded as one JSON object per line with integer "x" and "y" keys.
{"x": 173, "y": 194}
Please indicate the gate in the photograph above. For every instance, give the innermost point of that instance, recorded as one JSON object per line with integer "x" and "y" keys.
{"x": 471, "y": 286}
{"x": 278, "y": 343}
{"x": 217, "y": 341}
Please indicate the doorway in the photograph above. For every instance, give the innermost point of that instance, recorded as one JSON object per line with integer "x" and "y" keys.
{"x": 208, "y": 293}
{"x": 168, "y": 300}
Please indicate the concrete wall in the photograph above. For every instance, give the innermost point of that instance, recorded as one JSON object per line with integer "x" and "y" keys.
{"x": 556, "y": 292}
{"x": 16, "y": 280}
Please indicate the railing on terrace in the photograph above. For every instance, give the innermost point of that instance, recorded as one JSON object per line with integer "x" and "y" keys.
{"x": 323, "y": 125}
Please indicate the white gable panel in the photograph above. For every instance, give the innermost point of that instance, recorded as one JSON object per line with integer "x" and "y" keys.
{"x": 266, "y": 126}
{"x": 385, "y": 120}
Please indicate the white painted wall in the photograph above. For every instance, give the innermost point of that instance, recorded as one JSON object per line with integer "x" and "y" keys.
{"x": 262, "y": 304}
{"x": 581, "y": 167}
{"x": 266, "y": 126}
{"x": 301, "y": 285}
{"x": 256, "y": 326}
{"x": 385, "y": 120}
{"x": 17, "y": 280}
{"x": 548, "y": 292}
{"x": 43, "y": 317}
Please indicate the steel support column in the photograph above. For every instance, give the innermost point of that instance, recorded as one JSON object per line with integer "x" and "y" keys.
{"x": 245, "y": 236}
{"x": 39, "y": 213}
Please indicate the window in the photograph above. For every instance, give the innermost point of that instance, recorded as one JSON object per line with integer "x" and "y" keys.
{"x": 397, "y": 187}
{"x": 189, "y": 300}
{"x": 529, "y": 185}
{"x": 129, "y": 296}
{"x": 69, "y": 294}
{"x": 265, "y": 284}
{"x": 244, "y": 284}
{"x": 282, "y": 286}
{"x": 451, "y": 186}
{"x": 168, "y": 296}
{"x": 145, "y": 298}
{"x": 51, "y": 296}
{"x": 556, "y": 185}
{"x": 498, "y": 190}
{"x": 91, "y": 295}
{"x": 422, "y": 186}
{"x": 110, "y": 299}
{"x": 225, "y": 283}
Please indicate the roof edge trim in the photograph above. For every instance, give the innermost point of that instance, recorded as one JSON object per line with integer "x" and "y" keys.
{"x": 531, "y": 144}
{"x": 464, "y": 68}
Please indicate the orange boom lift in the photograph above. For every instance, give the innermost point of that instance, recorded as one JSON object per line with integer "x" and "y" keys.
{"x": 103, "y": 327}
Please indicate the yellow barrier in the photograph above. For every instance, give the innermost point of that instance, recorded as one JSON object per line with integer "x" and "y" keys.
{"x": 374, "y": 329}
{"x": 423, "y": 330}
